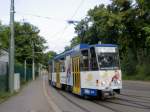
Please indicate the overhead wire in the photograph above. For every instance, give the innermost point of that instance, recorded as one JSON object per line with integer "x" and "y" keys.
{"x": 51, "y": 18}
{"x": 44, "y": 17}
{"x": 76, "y": 11}
{"x": 81, "y": 2}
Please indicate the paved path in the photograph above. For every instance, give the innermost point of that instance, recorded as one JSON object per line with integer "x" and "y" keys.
{"x": 30, "y": 99}
{"x": 38, "y": 96}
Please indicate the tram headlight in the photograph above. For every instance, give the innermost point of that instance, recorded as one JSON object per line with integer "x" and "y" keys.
{"x": 118, "y": 81}
{"x": 103, "y": 82}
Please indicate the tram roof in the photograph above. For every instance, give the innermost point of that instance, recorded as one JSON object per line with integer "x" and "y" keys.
{"x": 80, "y": 47}
{"x": 73, "y": 50}
{"x": 61, "y": 55}
{"x": 104, "y": 45}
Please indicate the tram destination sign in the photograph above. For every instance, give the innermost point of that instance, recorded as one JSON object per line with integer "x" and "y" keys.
{"x": 106, "y": 49}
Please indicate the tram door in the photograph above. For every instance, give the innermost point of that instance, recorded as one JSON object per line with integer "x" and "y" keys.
{"x": 58, "y": 75}
{"x": 76, "y": 75}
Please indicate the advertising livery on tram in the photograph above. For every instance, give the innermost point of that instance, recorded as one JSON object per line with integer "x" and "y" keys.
{"x": 87, "y": 70}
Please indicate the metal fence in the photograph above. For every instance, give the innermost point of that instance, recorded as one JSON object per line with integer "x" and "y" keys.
{"x": 19, "y": 68}
{"x": 3, "y": 68}
{"x": 3, "y": 76}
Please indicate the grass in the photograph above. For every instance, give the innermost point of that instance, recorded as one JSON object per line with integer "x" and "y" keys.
{"x": 136, "y": 77}
{"x": 3, "y": 86}
{"x": 5, "y": 95}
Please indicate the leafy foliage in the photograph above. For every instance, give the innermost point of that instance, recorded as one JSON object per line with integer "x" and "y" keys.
{"x": 122, "y": 22}
{"x": 26, "y": 38}
{"x": 48, "y": 56}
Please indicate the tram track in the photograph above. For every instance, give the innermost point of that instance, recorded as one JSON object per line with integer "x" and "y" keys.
{"x": 83, "y": 108}
{"x": 106, "y": 106}
{"x": 108, "y": 103}
{"x": 132, "y": 104}
{"x": 138, "y": 103}
{"x": 137, "y": 100}
{"x": 112, "y": 108}
{"x": 71, "y": 101}
{"x": 137, "y": 97}
{"x": 122, "y": 101}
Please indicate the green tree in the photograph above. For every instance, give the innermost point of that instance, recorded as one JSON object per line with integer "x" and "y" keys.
{"x": 122, "y": 22}
{"x": 26, "y": 37}
{"x": 48, "y": 56}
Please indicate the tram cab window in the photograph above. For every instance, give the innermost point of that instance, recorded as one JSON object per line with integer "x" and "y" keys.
{"x": 108, "y": 59}
{"x": 93, "y": 61}
{"x": 84, "y": 61}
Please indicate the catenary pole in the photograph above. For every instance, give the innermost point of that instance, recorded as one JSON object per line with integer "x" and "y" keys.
{"x": 11, "y": 48}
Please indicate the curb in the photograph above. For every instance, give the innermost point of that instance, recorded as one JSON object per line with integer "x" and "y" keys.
{"x": 49, "y": 99}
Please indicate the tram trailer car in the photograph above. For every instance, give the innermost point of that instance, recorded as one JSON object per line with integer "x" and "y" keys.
{"x": 88, "y": 70}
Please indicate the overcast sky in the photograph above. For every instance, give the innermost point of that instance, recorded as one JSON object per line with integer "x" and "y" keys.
{"x": 55, "y": 30}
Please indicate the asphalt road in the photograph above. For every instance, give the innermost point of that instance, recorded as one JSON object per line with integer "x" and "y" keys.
{"x": 134, "y": 97}
{"x": 38, "y": 96}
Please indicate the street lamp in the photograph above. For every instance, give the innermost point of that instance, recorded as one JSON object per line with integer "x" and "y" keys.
{"x": 76, "y": 22}
{"x": 33, "y": 60}
{"x": 85, "y": 25}
{"x": 72, "y": 22}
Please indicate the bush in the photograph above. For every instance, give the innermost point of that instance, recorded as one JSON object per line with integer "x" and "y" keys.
{"x": 128, "y": 64}
{"x": 143, "y": 71}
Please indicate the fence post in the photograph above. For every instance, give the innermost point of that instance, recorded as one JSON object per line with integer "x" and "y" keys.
{"x": 39, "y": 69}
{"x": 7, "y": 77}
{"x": 25, "y": 70}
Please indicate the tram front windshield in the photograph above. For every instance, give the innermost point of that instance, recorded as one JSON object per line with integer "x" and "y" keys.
{"x": 108, "y": 60}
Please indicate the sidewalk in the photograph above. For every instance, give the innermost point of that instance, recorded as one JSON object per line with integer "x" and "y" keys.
{"x": 30, "y": 99}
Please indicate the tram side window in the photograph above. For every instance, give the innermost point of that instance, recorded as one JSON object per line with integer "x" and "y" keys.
{"x": 84, "y": 60}
{"x": 62, "y": 66}
{"x": 50, "y": 68}
{"x": 93, "y": 60}
{"x": 55, "y": 67}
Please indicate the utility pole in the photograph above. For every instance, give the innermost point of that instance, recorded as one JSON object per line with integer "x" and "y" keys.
{"x": 33, "y": 65}
{"x": 11, "y": 48}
